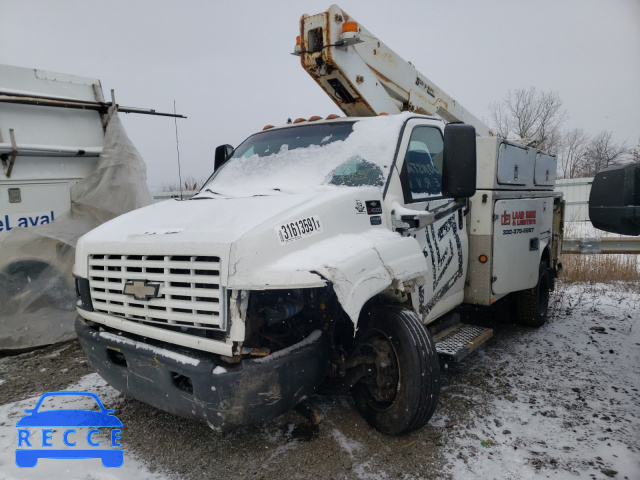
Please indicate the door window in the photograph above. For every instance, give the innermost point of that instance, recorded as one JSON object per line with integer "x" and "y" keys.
{"x": 422, "y": 170}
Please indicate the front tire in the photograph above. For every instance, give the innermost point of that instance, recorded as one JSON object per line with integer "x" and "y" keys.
{"x": 532, "y": 304}
{"x": 402, "y": 393}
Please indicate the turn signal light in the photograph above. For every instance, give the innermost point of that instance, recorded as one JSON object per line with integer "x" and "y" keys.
{"x": 483, "y": 258}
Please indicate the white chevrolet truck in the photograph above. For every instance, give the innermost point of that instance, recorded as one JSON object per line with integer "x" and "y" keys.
{"x": 325, "y": 254}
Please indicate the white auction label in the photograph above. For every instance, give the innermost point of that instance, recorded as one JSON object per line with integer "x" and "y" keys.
{"x": 298, "y": 229}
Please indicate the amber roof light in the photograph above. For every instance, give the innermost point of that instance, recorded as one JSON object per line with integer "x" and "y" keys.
{"x": 349, "y": 27}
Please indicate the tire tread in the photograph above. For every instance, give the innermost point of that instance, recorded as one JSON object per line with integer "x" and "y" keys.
{"x": 423, "y": 356}
{"x": 527, "y": 303}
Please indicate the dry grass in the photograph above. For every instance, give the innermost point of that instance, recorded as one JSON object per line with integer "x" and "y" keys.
{"x": 189, "y": 183}
{"x": 600, "y": 268}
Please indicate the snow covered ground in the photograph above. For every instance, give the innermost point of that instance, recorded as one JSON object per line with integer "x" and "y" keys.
{"x": 562, "y": 401}
{"x": 557, "y": 402}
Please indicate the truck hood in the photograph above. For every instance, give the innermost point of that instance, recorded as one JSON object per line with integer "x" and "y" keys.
{"x": 250, "y": 226}
{"x": 205, "y": 220}
{"x": 338, "y": 235}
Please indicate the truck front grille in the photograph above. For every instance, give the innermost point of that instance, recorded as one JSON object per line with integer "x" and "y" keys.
{"x": 188, "y": 295}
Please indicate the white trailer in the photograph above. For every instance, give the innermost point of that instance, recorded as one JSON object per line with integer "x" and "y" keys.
{"x": 44, "y": 151}
{"x": 52, "y": 132}
{"x": 326, "y": 254}
{"x": 67, "y": 166}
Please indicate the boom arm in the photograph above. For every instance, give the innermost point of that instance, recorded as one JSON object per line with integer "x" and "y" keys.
{"x": 364, "y": 77}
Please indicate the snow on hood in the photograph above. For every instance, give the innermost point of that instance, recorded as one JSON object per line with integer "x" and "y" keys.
{"x": 205, "y": 220}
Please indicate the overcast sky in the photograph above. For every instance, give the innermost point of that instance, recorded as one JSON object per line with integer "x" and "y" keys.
{"x": 228, "y": 68}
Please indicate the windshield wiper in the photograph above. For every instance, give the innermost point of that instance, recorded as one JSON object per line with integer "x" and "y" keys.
{"x": 205, "y": 198}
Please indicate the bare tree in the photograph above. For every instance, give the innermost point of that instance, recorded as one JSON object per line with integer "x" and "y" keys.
{"x": 634, "y": 153}
{"x": 531, "y": 115}
{"x": 603, "y": 152}
{"x": 573, "y": 154}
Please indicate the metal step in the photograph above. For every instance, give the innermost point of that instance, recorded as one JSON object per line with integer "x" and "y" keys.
{"x": 460, "y": 340}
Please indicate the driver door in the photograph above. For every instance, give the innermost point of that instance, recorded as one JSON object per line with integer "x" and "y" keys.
{"x": 444, "y": 243}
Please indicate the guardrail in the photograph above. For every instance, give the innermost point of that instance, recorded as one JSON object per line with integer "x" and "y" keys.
{"x": 591, "y": 245}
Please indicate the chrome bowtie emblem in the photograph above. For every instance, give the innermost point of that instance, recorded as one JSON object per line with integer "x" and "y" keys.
{"x": 141, "y": 289}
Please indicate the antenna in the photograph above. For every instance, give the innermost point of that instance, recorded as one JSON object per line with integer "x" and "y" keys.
{"x": 175, "y": 120}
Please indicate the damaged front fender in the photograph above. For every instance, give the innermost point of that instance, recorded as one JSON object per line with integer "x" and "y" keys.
{"x": 360, "y": 266}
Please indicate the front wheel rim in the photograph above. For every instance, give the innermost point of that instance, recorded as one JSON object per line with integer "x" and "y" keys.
{"x": 381, "y": 389}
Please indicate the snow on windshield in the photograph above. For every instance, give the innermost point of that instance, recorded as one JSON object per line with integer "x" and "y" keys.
{"x": 310, "y": 157}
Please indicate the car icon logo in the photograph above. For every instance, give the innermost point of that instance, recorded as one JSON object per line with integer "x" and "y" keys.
{"x": 78, "y": 444}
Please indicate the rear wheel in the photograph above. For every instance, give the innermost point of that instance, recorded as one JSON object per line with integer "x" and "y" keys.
{"x": 402, "y": 391}
{"x": 532, "y": 304}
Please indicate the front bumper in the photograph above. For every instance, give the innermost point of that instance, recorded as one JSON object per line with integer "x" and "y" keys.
{"x": 198, "y": 385}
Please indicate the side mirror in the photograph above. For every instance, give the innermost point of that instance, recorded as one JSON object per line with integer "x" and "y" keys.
{"x": 223, "y": 153}
{"x": 614, "y": 202}
{"x": 459, "y": 161}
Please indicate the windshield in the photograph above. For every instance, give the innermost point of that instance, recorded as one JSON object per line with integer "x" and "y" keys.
{"x": 309, "y": 157}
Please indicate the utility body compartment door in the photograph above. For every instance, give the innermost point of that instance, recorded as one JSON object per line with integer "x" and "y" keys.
{"x": 515, "y": 165}
{"x": 545, "y": 170}
{"x": 29, "y": 205}
{"x": 517, "y": 247}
